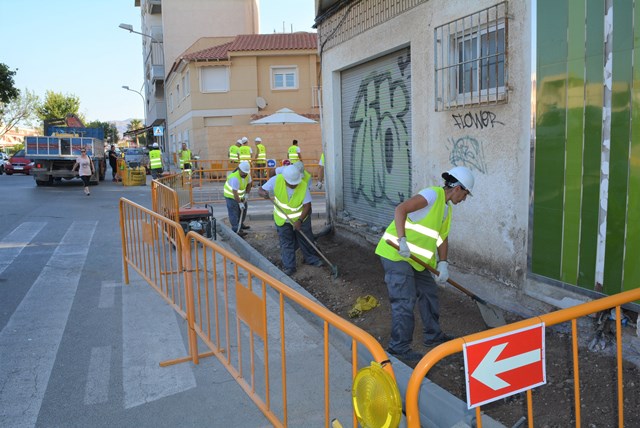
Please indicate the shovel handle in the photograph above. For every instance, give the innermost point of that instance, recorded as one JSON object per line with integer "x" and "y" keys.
{"x": 435, "y": 272}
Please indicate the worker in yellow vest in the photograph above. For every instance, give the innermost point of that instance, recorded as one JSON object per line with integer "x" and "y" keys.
{"x": 244, "y": 151}
{"x": 233, "y": 152}
{"x": 294, "y": 152}
{"x": 184, "y": 156}
{"x": 236, "y": 191}
{"x": 420, "y": 228}
{"x": 260, "y": 159}
{"x": 291, "y": 213}
{"x": 155, "y": 161}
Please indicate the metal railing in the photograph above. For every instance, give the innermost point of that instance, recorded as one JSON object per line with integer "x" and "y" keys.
{"x": 260, "y": 329}
{"x": 570, "y": 314}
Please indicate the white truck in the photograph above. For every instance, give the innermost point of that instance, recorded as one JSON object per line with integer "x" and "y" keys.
{"x": 54, "y": 156}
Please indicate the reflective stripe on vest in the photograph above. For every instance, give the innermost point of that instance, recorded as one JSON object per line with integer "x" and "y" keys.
{"x": 244, "y": 153}
{"x": 155, "y": 159}
{"x": 262, "y": 154}
{"x": 423, "y": 237}
{"x": 228, "y": 191}
{"x": 293, "y": 154}
{"x": 282, "y": 204}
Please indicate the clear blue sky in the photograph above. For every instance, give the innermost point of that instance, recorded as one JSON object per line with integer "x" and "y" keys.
{"x": 75, "y": 47}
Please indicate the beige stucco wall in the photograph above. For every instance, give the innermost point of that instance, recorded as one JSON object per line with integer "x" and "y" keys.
{"x": 215, "y": 120}
{"x": 489, "y": 233}
{"x": 220, "y": 17}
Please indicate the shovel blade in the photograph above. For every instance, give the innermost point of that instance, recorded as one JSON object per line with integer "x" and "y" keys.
{"x": 491, "y": 315}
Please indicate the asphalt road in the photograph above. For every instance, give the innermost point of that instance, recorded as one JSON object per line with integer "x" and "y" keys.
{"x": 78, "y": 348}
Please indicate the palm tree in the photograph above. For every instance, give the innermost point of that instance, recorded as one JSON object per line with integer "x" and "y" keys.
{"x": 133, "y": 125}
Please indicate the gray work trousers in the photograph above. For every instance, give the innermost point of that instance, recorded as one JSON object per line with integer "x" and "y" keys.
{"x": 408, "y": 287}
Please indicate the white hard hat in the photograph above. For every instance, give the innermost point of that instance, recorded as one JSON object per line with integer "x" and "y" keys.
{"x": 155, "y": 145}
{"x": 292, "y": 175}
{"x": 258, "y": 139}
{"x": 460, "y": 175}
{"x": 244, "y": 167}
{"x": 244, "y": 140}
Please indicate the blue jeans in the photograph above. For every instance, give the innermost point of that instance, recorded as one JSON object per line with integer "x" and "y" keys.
{"x": 408, "y": 287}
{"x": 290, "y": 241}
{"x": 233, "y": 210}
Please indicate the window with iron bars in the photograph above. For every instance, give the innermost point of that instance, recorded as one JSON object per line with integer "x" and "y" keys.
{"x": 471, "y": 59}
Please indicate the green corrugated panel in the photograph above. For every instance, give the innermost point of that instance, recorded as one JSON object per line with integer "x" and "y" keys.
{"x": 620, "y": 136}
{"x": 552, "y": 32}
{"x": 573, "y": 173}
{"x": 573, "y": 150}
{"x": 551, "y": 74}
{"x": 631, "y": 272}
{"x": 594, "y": 48}
{"x": 591, "y": 171}
{"x": 549, "y": 171}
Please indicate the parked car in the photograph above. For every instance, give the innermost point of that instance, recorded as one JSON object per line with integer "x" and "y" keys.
{"x": 135, "y": 157}
{"x": 18, "y": 164}
{"x": 4, "y": 159}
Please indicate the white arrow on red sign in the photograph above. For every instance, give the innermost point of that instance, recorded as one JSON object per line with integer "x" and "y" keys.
{"x": 505, "y": 364}
{"x": 489, "y": 368}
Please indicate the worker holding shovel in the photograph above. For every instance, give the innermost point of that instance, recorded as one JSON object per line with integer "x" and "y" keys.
{"x": 291, "y": 213}
{"x": 236, "y": 190}
{"x": 420, "y": 227}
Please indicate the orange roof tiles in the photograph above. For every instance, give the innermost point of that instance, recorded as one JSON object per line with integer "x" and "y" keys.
{"x": 257, "y": 42}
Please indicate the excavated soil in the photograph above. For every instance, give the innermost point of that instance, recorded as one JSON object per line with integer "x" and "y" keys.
{"x": 360, "y": 273}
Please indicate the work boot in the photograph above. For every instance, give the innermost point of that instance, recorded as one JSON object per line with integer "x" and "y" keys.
{"x": 407, "y": 355}
{"x": 241, "y": 233}
{"x": 441, "y": 339}
{"x": 245, "y": 227}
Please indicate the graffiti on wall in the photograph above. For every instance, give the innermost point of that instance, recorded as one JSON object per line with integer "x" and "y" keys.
{"x": 380, "y": 145}
{"x": 482, "y": 119}
{"x": 467, "y": 151}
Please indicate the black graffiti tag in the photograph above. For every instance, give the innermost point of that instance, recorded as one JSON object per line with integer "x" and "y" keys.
{"x": 380, "y": 146}
{"x": 480, "y": 120}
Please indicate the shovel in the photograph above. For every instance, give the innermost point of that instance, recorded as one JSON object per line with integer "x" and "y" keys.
{"x": 334, "y": 268}
{"x": 491, "y": 314}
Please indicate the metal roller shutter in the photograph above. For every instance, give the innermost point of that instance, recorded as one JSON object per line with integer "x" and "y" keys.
{"x": 376, "y": 137}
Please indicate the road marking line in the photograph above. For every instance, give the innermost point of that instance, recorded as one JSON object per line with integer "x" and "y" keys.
{"x": 97, "y": 388}
{"x": 107, "y": 294}
{"x": 29, "y": 342}
{"x": 150, "y": 335}
{"x": 13, "y": 244}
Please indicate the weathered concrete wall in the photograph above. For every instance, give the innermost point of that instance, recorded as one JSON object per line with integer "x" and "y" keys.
{"x": 489, "y": 233}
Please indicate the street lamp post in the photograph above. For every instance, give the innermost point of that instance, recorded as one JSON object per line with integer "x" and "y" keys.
{"x": 130, "y": 29}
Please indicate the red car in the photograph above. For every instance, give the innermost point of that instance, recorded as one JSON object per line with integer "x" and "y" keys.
{"x": 18, "y": 164}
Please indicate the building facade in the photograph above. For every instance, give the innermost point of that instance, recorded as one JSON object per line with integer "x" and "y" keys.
{"x": 171, "y": 26}
{"x": 536, "y": 98}
{"x": 218, "y": 86}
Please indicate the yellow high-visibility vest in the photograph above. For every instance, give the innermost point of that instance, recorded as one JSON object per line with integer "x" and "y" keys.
{"x": 423, "y": 237}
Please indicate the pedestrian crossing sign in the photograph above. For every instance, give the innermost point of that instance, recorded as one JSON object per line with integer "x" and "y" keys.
{"x": 158, "y": 131}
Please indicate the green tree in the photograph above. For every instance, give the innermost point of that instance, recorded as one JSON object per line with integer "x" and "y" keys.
{"x": 8, "y": 91}
{"x": 110, "y": 131}
{"x": 21, "y": 110}
{"x": 134, "y": 124}
{"x": 58, "y": 106}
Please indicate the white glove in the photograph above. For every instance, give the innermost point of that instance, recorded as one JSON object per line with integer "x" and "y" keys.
{"x": 443, "y": 268}
{"x": 319, "y": 185}
{"x": 242, "y": 206}
{"x": 403, "y": 248}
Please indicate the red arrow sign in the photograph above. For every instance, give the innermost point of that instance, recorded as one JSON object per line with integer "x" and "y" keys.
{"x": 504, "y": 365}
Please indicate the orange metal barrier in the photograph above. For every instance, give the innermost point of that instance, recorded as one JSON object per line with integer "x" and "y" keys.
{"x": 245, "y": 318}
{"x": 550, "y": 319}
{"x": 152, "y": 246}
